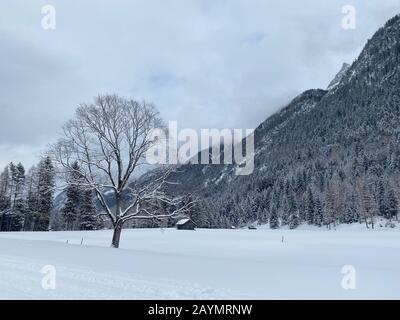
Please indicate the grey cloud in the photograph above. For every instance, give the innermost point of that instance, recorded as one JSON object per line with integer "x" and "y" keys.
{"x": 203, "y": 63}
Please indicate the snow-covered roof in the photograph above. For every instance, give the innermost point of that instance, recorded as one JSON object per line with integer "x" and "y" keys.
{"x": 182, "y": 221}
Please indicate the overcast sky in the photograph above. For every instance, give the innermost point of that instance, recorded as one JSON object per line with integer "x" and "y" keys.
{"x": 204, "y": 63}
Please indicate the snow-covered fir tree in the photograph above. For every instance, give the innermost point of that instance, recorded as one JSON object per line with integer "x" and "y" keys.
{"x": 88, "y": 217}
{"x": 45, "y": 192}
{"x": 74, "y": 193}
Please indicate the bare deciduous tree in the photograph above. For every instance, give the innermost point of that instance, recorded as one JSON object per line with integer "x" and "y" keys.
{"x": 109, "y": 139}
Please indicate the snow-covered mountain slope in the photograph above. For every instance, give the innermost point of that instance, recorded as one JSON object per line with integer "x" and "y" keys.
{"x": 339, "y": 76}
{"x": 173, "y": 264}
{"x": 343, "y": 141}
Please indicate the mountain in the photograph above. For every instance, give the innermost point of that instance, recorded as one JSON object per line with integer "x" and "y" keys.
{"x": 329, "y": 157}
{"x": 338, "y": 76}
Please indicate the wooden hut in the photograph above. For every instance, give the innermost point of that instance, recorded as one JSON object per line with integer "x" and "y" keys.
{"x": 186, "y": 224}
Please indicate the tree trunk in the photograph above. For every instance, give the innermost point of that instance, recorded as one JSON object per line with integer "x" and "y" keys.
{"x": 116, "y": 234}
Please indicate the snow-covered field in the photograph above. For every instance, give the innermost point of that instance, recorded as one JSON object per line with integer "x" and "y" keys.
{"x": 202, "y": 264}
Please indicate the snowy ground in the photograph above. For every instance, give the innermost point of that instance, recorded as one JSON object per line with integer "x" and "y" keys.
{"x": 202, "y": 264}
